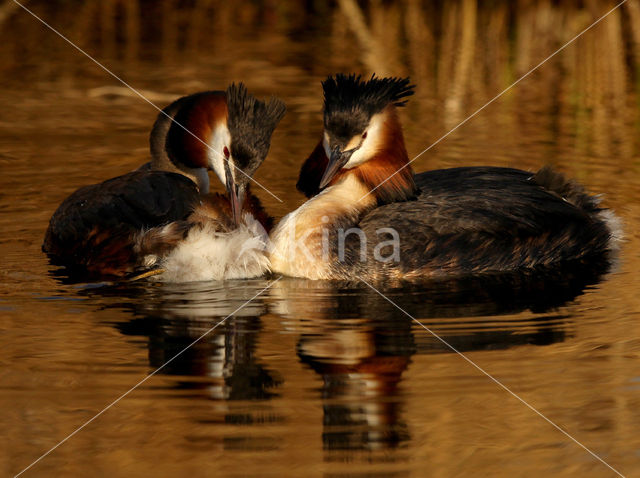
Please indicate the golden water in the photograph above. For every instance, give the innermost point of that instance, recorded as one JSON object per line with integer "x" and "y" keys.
{"x": 316, "y": 379}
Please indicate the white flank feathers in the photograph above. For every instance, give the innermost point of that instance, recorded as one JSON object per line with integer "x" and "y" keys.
{"x": 207, "y": 254}
{"x": 614, "y": 223}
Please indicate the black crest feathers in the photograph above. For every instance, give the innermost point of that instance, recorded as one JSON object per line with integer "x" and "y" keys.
{"x": 251, "y": 123}
{"x": 350, "y": 102}
{"x": 344, "y": 92}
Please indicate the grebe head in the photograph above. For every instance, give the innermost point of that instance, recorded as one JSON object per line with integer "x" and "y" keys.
{"x": 228, "y": 132}
{"x": 250, "y": 124}
{"x": 356, "y": 115}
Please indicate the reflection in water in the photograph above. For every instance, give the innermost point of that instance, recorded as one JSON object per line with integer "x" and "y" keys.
{"x": 225, "y": 359}
{"x": 361, "y": 367}
{"x": 360, "y": 344}
{"x": 223, "y": 363}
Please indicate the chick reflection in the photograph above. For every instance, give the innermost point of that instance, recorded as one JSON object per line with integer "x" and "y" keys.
{"x": 360, "y": 344}
{"x": 224, "y": 363}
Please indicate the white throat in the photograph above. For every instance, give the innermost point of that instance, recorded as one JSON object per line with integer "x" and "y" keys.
{"x": 370, "y": 145}
{"x": 366, "y": 147}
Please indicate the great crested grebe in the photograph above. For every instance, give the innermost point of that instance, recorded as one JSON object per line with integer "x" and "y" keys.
{"x": 370, "y": 217}
{"x": 161, "y": 217}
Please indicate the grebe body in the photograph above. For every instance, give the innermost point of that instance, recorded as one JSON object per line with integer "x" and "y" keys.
{"x": 162, "y": 217}
{"x": 370, "y": 217}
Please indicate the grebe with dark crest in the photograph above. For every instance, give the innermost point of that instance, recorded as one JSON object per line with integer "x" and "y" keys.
{"x": 161, "y": 218}
{"x": 370, "y": 217}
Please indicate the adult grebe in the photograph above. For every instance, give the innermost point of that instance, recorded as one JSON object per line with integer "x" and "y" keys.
{"x": 445, "y": 222}
{"x": 161, "y": 217}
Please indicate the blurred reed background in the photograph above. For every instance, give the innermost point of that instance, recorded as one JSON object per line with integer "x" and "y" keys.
{"x": 460, "y": 53}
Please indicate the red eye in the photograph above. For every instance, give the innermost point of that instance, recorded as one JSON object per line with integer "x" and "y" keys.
{"x": 226, "y": 152}
{"x": 364, "y": 135}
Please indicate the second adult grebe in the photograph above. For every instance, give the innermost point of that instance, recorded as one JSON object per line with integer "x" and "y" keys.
{"x": 161, "y": 217}
{"x": 370, "y": 217}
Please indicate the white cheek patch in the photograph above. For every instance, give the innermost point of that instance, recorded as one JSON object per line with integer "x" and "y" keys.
{"x": 370, "y": 145}
{"x": 220, "y": 137}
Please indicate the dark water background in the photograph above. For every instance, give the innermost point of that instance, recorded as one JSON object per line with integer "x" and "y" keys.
{"x": 318, "y": 379}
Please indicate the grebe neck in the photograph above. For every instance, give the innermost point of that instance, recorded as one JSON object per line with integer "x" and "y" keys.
{"x": 159, "y": 142}
{"x": 200, "y": 176}
{"x": 300, "y": 243}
